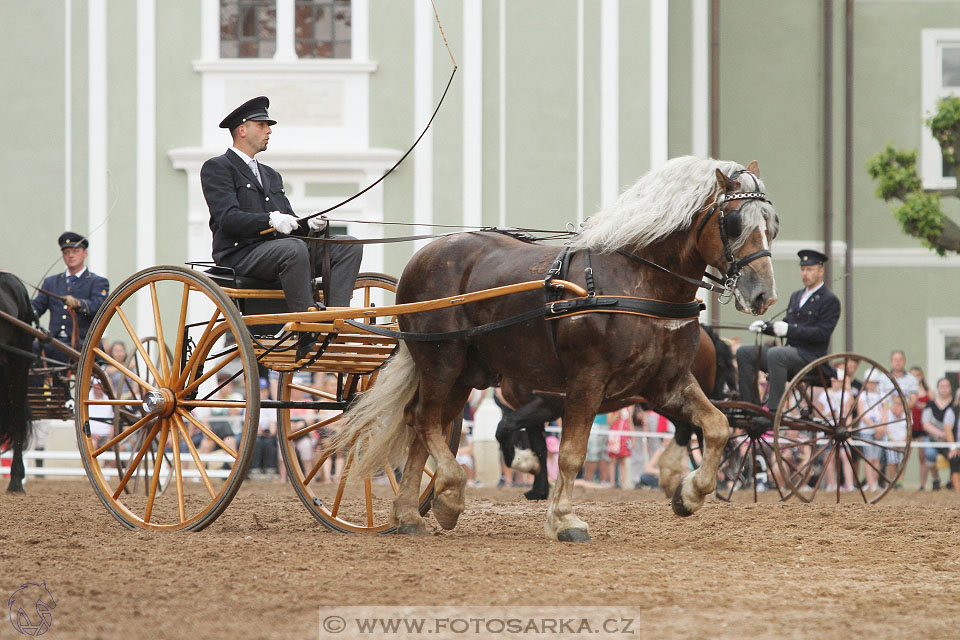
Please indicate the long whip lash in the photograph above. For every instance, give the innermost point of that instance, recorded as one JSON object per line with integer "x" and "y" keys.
{"x": 436, "y": 15}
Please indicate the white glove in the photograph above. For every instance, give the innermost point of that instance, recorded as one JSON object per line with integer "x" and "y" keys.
{"x": 780, "y": 328}
{"x": 283, "y": 222}
{"x": 756, "y": 326}
{"x": 317, "y": 223}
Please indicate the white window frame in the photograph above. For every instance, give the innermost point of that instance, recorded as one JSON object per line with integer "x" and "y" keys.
{"x": 931, "y": 160}
{"x": 938, "y": 329}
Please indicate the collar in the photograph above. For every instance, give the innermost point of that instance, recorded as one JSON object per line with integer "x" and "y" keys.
{"x": 78, "y": 274}
{"x": 246, "y": 159}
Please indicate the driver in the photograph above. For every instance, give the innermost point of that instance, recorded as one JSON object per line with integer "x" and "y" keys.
{"x": 812, "y": 314}
{"x": 246, "y": 197}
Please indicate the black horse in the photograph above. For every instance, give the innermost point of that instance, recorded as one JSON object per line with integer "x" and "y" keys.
{"x": 15, "y": 345}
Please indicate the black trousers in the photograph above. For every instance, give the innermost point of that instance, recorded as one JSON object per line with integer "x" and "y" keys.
{"x": 288, "y": 259}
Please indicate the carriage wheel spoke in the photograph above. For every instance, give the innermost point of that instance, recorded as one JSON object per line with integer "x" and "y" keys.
{"x": 136, "y": 461}
{"x": 196, "y": 455}
{"x": 342, "y": 484}
{"x": 207, "y": 432}
{"x": 178, "y": 470}
{"x": 853, "y": 469}
{"x": 736, "y": 478}
{"x": 208, "y": 374}
{"x": 138, "y": 345}
{"x": 368, "y": 499}
{"x": 391, "y": 476}
{"x": 182, "y": 325}
{"x": 192, "y": 362}
{"x": 808, "y": 464}
{"x": 122, "y": 435}
{"x": 155, "y": 480}
{"x": 770, "y": 457}
{"x": 294, "y": 435}
{"x": 317, "y": 465}
{"x": 123, "y": 369}
{"x": 158, "y": 323}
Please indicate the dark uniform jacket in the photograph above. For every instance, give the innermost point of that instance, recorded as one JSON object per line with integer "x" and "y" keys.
{"x": 239, "y": 205}
{"x": 811, "y": 325}
{"x": 88, "y": 288}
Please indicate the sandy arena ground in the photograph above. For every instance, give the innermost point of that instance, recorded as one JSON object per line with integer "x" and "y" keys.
{"x": 787, "y": 570}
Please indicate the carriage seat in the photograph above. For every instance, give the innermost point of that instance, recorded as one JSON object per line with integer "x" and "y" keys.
{"x": 226, "y": 277}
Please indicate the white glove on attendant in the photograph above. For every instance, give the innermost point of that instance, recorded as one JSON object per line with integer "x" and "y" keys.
{"x": 283, "y": 222}
{"x": 317, "y": 223}
{"x": 756, "y": 326}
{"x": 780, "y": 328}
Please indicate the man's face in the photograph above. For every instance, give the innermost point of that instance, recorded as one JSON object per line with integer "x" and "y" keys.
{"x": 898, "y": 362}
{"x": 812, "y": 275}
{"x": 256, "y": 134}
{"x": 74, "y": 257}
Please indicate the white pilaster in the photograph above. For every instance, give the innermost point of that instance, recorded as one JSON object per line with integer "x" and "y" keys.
{"x": 473, "y": 114}
{"x": 210, "y": 29}
{"x": 422, "y": 108}
{"x": 580, "y": 111}
{"x": 67, "y": 114}
{"x": 502, "y": 164}
{"x": 360, "y": 29}
{"x": 609, "y": 101}
{"x": 700, "y": 125}
{"x": 286, "y": 48}
{"x": 146, "y": 145}
{"x": 97, "y": 135}
{"x": 659, "y": 82}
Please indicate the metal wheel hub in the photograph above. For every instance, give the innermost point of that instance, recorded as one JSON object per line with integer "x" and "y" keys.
{"x": 161, "y": 403}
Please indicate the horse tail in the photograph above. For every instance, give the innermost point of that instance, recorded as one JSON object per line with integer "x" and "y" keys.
{"x": 376, "y": 420}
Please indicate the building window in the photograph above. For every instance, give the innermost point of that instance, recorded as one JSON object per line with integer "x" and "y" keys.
{"x": 323, "y": 28}
{"x": 248, "y": 28}
{"x": 941, "y": 78}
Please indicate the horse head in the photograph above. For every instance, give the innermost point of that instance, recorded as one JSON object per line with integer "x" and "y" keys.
{"x": 734, "y": 235}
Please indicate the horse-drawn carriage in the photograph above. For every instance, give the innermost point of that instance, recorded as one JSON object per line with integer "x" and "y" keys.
{"x": 603, "y": 322}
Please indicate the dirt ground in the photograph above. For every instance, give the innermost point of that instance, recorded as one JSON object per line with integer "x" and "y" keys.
{"x": 787, "y": 570}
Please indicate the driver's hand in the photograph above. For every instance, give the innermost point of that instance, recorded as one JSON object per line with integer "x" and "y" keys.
{"x": 757, "y": 326}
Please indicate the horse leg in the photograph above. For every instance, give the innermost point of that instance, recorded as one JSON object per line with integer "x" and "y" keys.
{"x": 562, "y": 523}
{"x": 692, "y": 406}
{"x": 438, "y": 403}
{"x": 671, "y": 467}
{"x": 406, "y": 506}
{"x": 17, "y": 470}
{"x": 541, "y": 484}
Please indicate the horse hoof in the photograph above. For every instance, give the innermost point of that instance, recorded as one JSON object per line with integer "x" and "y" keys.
{"x": 573, "y": 535}
{"x": 535, "y": 495}
{"x": 412, "y": 530}
{"x": 678, "y": 507}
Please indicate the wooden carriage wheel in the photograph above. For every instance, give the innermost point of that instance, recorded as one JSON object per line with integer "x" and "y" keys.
{"x": 323, "y": 484}
{"x": 187, "y": 312}
{"x": 823, "y": 441}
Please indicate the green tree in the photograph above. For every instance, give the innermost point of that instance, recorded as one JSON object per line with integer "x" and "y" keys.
{"x": 920, "y": 212}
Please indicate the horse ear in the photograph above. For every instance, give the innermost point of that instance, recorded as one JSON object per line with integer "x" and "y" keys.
{"x": 726, "y": 184}
{"x": 754, "y": 168}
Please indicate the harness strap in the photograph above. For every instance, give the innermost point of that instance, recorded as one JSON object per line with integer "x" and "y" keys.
{"x": 554, "y": 310}
{"x": 698, "y": 283}
{"x": 588, "y": 274}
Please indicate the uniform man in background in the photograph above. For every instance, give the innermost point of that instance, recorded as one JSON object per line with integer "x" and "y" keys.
{"x": 83, "y": 293}
{"x": 812, "y": 315}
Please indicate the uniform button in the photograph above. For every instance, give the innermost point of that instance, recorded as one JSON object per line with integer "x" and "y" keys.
{"x": 235, "y": 243}
{"x": 64, "y": 317}
{"x": 268, "y": 198}
{"x": 248, "y": 185}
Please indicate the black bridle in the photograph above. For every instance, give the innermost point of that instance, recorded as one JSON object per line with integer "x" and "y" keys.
{"x": 729, "y": 226}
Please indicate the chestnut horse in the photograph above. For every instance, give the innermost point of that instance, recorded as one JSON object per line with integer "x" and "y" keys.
{"x": 654, "y": 242}
{"x": 712, "y": 368}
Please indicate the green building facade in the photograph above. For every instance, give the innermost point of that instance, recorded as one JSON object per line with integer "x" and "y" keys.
{"x": 113, "y": 105}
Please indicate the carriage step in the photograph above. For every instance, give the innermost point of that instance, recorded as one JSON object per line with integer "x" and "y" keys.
{"x": 347, "y": 352}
